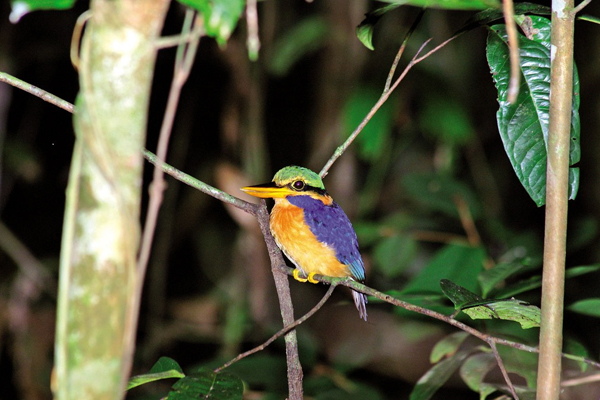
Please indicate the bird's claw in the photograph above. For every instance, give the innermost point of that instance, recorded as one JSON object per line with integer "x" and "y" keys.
{"x": 296, "y": 275}
{"x": 310, "y": 278}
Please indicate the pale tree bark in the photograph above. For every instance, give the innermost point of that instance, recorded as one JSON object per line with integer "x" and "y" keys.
{"x": 97, "y": 305}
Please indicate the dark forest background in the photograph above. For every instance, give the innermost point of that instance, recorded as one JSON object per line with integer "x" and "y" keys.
{"x": 209, "y": 292}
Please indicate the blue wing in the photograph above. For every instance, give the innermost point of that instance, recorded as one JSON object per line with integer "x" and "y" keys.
{"x": 330, "y": 225}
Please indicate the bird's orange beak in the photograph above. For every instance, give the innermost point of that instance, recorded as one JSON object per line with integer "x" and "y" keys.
{"x": 267, "y": 190}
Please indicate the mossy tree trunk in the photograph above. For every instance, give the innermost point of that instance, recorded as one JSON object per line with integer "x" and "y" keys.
{"x": 97, "y": 306}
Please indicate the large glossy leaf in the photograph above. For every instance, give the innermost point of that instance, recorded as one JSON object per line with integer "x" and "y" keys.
{"x": 206, "y": 384}
{"x": 22, "y": 7}
{"x": 220, "y": 16}
{"x": 523, "y": 125}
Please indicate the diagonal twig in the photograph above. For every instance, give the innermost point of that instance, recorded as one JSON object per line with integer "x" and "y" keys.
{"x": 282, "y": 331}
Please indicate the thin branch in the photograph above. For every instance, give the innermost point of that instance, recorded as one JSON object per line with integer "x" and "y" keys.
{"x": 580, "y": 7}
{"x": 386, "y": 94}
{"x": 414, "y": 25}
{"x": 201, "y": 186}
{"x": 183, "y": 64}
{"x": 151, "y": 157}
{"x": 281, "y": 332}
{"x": 176, "y": 40}
{"x": 492, "y": 344}
{"x": 513, "y": 45}
{"x": 359, "y": 287}
{"x": 581, "y": 380}
{"x": 36, "y": 91}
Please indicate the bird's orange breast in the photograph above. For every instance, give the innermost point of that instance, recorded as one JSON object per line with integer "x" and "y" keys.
{"x": 300, "y": 245}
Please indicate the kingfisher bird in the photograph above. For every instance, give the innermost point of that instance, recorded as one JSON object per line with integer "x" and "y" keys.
{"x": 311, "y": 229}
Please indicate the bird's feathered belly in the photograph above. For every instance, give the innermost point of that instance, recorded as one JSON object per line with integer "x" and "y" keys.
{"x": 301, "y": 246}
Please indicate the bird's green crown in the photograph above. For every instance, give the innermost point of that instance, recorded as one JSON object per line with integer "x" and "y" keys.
{"x": 293, "y": 174}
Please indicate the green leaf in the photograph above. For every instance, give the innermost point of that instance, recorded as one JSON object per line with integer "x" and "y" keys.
{"x": 474, "y": 370}
{"x": 220, "y": 16}
{"x": 450, "y": 4}
{"x": 165, "y": 364}
{"x": 22, "y": 7}
{"x": 589, "y": 307}
{"x": 523, "y": 125}
{"x": 460, "y": 296}
{"x": 589, "y": 18}
{"x": 488, "y": 279}
{"x": 475, "y": 307}
{"x": 576, "y": 348}
{"x": 371, "y": 141}
{"x": 304, "y": 38}
{"x": 448, "y": 346}
{"x": 519, "y": 311}
{"x": 165, "y": 368}
{"x": 364, "y": 31}
{"x": 435, "y": 378}
{"x": 207, "y": 384}
{"x": 394, "y": 254}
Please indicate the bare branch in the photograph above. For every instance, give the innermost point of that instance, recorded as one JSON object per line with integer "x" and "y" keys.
{"x": 36, "y": 91}
{"x": 386, "y": 94}
{"x": 183, "y": 65}
{"x": 414, "y": 25}
{"x": 503, "y": 369}
{"x": 283, "y": 331}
